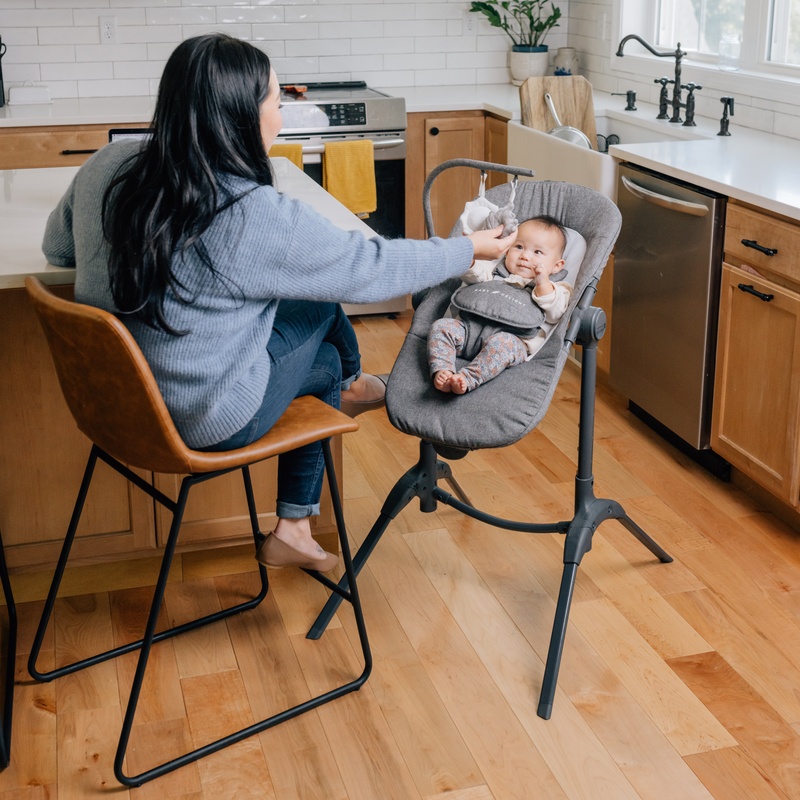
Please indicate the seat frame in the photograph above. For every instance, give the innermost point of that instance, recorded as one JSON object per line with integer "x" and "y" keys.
{"x": 586, "y": 328}
{"x": 10, "y": 663}
{"x": 150, "y": 637}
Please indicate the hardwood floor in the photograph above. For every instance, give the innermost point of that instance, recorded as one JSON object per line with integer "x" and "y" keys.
{"x": 679, "y": 681}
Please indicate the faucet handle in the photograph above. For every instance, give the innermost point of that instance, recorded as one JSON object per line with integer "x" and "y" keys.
{"x": 727, "y": 105}
{"x": 663, "y": 81}
{"x": 691, "y": 87}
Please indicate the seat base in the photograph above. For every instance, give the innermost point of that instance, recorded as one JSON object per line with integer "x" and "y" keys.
{"x": 150, "y": 637}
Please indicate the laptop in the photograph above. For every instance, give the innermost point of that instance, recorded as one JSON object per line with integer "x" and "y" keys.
{"x": 117, "y": 134}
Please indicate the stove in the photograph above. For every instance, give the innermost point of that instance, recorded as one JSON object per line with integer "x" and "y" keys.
{"x": 316, "y": 113}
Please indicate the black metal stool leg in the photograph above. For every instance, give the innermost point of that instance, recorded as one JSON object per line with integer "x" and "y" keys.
{"x": 10, "y": 665}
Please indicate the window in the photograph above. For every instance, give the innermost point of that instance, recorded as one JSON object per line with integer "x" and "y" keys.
{"x": 699, "y": 26}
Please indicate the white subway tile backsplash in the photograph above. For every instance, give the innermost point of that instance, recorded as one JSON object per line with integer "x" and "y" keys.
{"x": 249, "y": 14}
{"x": 306, "y": 13}
{"x": 318, "y": 47}
{"x": 34, "y": 17}
{"x": 115, "y": 88}
{"x": 77, "y": 72}
{"x": 111, "y": 52}
{"x": 69, "y": 35}
{"x": 385, "y": 42}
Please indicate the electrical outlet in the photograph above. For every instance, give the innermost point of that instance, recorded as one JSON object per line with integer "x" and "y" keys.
{"x": 470, "y": 22}
{"x": 108, "y": 30}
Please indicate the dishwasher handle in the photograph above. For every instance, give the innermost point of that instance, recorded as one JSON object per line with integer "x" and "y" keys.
{"x": 683, "y": 206}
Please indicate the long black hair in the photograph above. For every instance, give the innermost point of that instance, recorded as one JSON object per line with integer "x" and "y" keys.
{"x": 207, "y": 121}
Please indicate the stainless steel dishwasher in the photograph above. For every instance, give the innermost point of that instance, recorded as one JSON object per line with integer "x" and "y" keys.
{"x": 667, "y": 267}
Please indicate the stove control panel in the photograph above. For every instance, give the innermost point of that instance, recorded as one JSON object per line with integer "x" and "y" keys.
{"x": 346, "y": 113}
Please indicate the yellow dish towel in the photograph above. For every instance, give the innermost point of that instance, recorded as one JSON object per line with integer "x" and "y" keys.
{"x": 294, "y": 152}
{"x": 348, "y": 173}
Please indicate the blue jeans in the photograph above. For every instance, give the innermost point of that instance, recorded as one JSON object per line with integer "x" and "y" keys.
{"x": 312, "y": 345}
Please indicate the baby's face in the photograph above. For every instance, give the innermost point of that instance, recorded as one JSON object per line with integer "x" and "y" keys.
{"x": 536, "y": 252}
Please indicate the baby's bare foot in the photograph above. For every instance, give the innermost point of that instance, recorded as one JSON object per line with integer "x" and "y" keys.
{"x": 458, "y": 383}
{"x": 441, "y": 380}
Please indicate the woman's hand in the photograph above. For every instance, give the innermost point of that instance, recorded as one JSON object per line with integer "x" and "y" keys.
{"x": 487, "y": 245}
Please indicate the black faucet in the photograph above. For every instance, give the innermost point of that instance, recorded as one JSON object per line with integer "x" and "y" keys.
{"x": 663, "y": 98}
{"x": 727, "y": 103}
{"x": 678, "y": 55}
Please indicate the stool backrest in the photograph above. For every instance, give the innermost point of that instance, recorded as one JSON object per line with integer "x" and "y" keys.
{"x": 108, "y": 385}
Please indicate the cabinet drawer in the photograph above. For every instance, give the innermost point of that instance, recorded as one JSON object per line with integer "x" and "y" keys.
{"x": 769, "y": 232}
{"x": 25, "y": 148}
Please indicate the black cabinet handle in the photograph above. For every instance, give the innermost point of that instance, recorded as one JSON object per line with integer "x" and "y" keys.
{"x": 77, "y": 152}
{"x": 767, "y": 251}
{"x": 434, "y": 131}
{"x": 760, "y": 295}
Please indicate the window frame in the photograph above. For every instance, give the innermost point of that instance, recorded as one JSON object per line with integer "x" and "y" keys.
{"x": 757, "y": 77}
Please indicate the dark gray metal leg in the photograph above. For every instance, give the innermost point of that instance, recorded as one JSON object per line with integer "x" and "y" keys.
{"x": 10, "y": 663}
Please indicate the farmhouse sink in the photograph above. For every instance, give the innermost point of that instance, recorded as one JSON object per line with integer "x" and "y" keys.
{"x": 556, "y": 160}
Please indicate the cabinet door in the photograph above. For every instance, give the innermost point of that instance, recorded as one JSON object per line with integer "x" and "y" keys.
{"x": 43, "y": 457}
{"x": 757, "y": 388}
{"x": 495, "y": 146}
{"x": 458, "y": 135}
{"x": 446, "y": 139}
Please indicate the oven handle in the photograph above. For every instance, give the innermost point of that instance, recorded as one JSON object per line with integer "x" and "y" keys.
{"x": 380, "y": 144}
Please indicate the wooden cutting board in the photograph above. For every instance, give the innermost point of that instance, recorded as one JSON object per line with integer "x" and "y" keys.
{"x": 572, "y": 97}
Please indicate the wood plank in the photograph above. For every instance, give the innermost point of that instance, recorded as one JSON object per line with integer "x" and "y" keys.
{"x": 274, "y": 682}
{"x": 433, "y": 749}
{"x": 505, "y": 755}
{"x": 666, "y": 700}
{"x": 194, "y": 651}
{"x": 745, "y": 648}
{"x": 369, "y": 761}
{"x": 161, "y": 697}
{"x": 756, "y": 725}
{"x": 87, "y": 744}
{"x": 33, "y": 736}
{"x": 642, "y": 752}
{"x": 474, "y": 793}
{"x": 576, "y": 757}
{"x": 300, "y": 598}
{"x": 732, "y": 774}
{"x": 82, "y": 629}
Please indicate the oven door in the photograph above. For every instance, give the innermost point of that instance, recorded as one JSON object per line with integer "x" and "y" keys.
{"x": 389, "y": 220}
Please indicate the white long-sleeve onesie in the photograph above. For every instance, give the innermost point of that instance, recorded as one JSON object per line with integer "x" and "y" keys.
{"x": 554, "y": 305}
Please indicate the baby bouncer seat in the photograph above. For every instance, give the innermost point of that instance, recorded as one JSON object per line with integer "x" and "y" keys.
{"x": 506, "y": 408}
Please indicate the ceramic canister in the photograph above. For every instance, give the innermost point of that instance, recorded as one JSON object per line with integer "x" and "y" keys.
{"x": 565, "y": 61}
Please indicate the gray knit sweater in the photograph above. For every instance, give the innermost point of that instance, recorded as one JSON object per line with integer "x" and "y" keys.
{"x": 270, "y": 247}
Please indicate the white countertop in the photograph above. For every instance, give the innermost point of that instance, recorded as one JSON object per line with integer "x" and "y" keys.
{"x": 29, "y": 195}
{"x": 758, "y": 168}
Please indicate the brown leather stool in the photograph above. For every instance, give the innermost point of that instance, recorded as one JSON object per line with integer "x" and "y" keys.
{"x": 115, "y": 401}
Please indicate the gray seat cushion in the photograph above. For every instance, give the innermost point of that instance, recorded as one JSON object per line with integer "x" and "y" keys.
{"x": 508, "y": 407}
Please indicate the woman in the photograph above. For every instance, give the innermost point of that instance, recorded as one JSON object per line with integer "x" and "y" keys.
{"x": 188, "y": 242}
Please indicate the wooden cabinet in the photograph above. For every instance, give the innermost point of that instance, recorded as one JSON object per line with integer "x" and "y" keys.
{"x": 43, "y": 456}
{"x": 435, "y": 138}
{"x": 757, "y": 382}
{"x": 26, "y": 148}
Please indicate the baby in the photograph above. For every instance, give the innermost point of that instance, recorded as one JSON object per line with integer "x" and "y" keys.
{"x": 536, "y": 255}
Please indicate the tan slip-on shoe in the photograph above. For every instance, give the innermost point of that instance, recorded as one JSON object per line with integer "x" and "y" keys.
{"x": 276, "y": 553}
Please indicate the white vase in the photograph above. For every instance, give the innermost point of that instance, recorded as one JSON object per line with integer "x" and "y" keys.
{"x": 526, "y": 65}
{"x": 566, "y": 61}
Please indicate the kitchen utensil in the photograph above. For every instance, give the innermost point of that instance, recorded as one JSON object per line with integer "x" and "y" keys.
{"x": 572, "y": 96}
{"x": 2, "y": 90}
{"x": 565, "y": 132}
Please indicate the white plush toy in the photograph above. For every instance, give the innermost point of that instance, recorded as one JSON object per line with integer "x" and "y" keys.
{"x": 481, "y": 214}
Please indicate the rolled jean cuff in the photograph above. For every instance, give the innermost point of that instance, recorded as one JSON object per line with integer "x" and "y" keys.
{"x": 294, "y": 511}
{"x": 347, "y": 382}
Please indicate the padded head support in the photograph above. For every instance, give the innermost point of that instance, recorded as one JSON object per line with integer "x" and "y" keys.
{"x": 508, "y": 407}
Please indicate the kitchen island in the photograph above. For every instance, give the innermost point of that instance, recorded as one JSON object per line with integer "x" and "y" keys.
{"x": 44, "y": 454}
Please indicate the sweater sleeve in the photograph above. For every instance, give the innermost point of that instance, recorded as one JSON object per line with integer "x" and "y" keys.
{"x": 554, "y": 304}
{"x": 305, "y": 256}
{"x": 59, "y": 244}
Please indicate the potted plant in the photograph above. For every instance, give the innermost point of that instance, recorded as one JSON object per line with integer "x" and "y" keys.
{"x": 526, "y": 22}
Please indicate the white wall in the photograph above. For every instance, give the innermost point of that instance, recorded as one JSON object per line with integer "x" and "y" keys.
{"x": 392, "y": 43}
{"x": 779, "y": 113}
